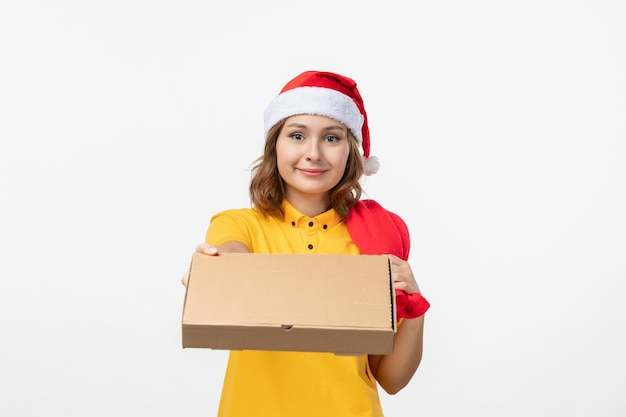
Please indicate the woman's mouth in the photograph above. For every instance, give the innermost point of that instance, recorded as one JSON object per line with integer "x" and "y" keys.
{"x": 312, "y": 172}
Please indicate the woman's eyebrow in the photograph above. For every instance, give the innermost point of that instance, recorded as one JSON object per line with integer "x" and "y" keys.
{"x": 298, "y": 125}
{"x": 327, "y": 128}
{"x": 336, "y": 127}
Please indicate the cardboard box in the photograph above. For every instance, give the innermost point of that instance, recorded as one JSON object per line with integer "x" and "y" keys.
{"x": 319, "y": 303}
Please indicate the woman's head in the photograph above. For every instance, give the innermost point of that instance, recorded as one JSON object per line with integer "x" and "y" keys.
{"x": 268, "y": 188}
{"x": 325, "y": 94}
{"x": 312, "y": 147}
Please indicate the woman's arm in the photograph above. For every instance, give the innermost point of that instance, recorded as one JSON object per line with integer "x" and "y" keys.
{"x": 394, "y": 371}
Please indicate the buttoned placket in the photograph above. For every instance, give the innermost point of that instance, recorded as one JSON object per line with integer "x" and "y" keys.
{"x": 311, "y": 229}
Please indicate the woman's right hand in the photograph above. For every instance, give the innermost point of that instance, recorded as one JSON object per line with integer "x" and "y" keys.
{"x": 201, "y": 248}
{"x": 206, "y": 249}
{"x": 230, "y": 246}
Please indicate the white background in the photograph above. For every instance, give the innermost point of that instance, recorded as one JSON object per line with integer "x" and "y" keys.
{"x": 501, "y": 129}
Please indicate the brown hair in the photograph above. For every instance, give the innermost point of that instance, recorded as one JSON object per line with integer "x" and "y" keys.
{"x": 267, "y": 189}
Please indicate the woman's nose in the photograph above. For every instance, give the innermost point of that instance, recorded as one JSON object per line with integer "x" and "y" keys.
{"x": 313, "y": 151}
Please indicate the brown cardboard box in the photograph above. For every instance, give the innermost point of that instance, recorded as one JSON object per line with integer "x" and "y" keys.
{"x": 321, "y": 303}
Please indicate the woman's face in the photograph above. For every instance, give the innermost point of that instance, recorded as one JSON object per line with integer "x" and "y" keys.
{"x": 312, "y": 153}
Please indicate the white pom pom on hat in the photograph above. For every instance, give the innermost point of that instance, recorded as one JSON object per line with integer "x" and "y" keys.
{"x": 325, "y": 94}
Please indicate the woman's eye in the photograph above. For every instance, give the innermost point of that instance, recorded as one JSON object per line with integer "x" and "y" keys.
{"x": 332, "y": 139}
{"x": 297, "y": 136}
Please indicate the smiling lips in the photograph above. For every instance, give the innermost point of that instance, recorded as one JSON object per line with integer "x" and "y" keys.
{"x": 312, "y": 172}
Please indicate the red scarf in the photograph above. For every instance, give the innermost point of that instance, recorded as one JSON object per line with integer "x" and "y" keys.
{"x": 377, "y": 231}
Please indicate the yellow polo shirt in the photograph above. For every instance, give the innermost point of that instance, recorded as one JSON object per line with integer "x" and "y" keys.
{"x": 292, "y": 384}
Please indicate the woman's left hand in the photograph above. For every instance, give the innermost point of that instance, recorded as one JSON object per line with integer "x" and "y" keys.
{"x": 402, "y": 274}
{"x": 394, "y": 371}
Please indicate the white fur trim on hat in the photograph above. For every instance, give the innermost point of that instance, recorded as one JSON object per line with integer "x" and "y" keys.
{"x": 315, "y": 100}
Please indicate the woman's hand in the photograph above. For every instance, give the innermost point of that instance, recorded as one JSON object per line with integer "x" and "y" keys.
{"x": 394, "y": 371}
{"x": 201, "y": 248}
{"x": 403, "y": 278}
{"x": 207, "y": 249}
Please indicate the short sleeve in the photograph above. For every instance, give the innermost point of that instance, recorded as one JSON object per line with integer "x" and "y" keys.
{"x": 227, "y": 226}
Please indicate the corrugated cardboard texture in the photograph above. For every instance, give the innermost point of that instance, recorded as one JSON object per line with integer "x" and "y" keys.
{"x": 323, "y": 303}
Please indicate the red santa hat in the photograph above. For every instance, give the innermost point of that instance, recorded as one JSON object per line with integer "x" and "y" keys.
{"x": 325, "y": 94}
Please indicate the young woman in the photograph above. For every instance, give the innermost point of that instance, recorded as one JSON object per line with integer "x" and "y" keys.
{"x": 305, "y": 196}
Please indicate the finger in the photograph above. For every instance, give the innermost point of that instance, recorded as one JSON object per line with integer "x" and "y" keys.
{"x": 206, "y": 249}
{"x": 408, "y": 285}
{"x": 394, "y": 259}
{"x": 185, "y": 278}
{"x": 400, "y": 285}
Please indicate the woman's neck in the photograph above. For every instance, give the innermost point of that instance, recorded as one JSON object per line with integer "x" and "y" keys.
{"x": 309, "y": 205}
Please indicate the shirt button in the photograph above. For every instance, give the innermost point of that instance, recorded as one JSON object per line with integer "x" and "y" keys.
{"x": 293, "y": 224}
{"x": 310, "y": 246}
{"x": 325, "y": 226}
{"x": 310, "y": 224}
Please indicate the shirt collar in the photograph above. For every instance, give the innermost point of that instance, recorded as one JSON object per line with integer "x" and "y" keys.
{"x": 329, "y": 218}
